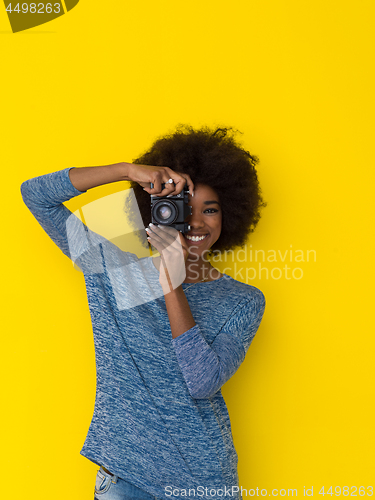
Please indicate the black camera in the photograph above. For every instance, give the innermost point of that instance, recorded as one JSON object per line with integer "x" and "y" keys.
{"x": 171, "y": 211}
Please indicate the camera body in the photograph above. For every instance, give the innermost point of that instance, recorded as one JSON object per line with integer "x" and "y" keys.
{"x": 171, "y": 211}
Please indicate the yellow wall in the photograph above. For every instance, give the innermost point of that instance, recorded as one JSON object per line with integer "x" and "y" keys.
{"x": 96, "y": 86}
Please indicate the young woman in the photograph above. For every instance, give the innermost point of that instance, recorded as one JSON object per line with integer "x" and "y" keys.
{"x": 169, "y": 331}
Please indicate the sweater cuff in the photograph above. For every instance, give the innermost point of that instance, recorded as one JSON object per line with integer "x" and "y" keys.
{"x": 69, "y": 182}
{"x": 189, "y": 339}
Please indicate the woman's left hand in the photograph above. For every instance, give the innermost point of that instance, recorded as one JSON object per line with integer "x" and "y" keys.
{"x": 173, "y": 251}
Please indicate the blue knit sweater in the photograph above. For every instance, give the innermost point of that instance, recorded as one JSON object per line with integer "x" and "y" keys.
{"x": 160, "y": 421}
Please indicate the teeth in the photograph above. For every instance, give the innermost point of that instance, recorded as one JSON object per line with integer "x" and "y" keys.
{"x": 196, "y": 238}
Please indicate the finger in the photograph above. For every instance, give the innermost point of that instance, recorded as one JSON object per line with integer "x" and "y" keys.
{"x": 166, "y": 229}
{"x": 161, "y": 187}
{"x": 179, "y": 181}
{"x": 156, "y": 189}
{"x": 156, "y": 242}
{"x": 166, "y": 250}
{"x": 189, "y": 183}
{"x": 170, "y": 235}
{"x": 162, "y": 182}
{"x": 173, "y": 179}
{"x": 152, "y": 191}
{"x": 169, "y": 187}
{"x": 180, "y": 186}
{"x": 154, "y": 230}
{"x": 163, "y": 234}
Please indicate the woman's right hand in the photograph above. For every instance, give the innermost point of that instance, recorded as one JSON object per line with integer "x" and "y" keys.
{"x": 145, "y": 174}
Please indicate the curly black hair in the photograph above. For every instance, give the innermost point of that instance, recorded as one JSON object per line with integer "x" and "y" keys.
{"x": 212, "y": 157}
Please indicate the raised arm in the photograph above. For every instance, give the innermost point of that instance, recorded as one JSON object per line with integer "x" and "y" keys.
{"x": 85, "y": 178}
{"x": 44, "y": 196}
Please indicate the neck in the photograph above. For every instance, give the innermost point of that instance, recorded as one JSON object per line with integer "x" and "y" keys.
{"x": 197, "y": 267}
{"x": 197, "y": 270}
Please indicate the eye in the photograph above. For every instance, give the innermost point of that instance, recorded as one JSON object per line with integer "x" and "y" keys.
{"x": 211, "y": 210}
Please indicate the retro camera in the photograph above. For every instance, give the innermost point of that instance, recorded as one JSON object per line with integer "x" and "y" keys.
{"x": 171, "y": 211}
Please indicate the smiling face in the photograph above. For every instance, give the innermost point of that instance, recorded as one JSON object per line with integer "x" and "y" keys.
{"x": 205, "y": 221}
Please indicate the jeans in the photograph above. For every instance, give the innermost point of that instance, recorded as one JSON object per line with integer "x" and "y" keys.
{"x": 109, "y": 487}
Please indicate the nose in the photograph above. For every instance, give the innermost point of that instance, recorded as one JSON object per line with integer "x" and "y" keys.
{"x": 195, "y": 219}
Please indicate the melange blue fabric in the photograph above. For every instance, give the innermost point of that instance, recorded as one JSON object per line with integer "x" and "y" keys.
{"x": 160, "y": 421}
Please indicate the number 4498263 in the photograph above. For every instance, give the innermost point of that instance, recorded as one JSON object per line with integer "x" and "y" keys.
{"x": 346, "y": 491}
{"x": 34, "y": 8}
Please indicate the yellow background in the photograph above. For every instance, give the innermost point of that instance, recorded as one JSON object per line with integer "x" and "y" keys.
{"x": 96, "y": 86}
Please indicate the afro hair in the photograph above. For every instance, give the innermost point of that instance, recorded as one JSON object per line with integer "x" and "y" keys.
{"x": 212, "y": 157}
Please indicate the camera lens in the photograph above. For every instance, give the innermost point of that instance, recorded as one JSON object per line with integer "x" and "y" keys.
{"x": 164, "y": 212}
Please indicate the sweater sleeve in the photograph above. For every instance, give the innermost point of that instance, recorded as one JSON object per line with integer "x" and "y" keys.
{"x": 207, "y": 367}
{"x": 44, "y": 197}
